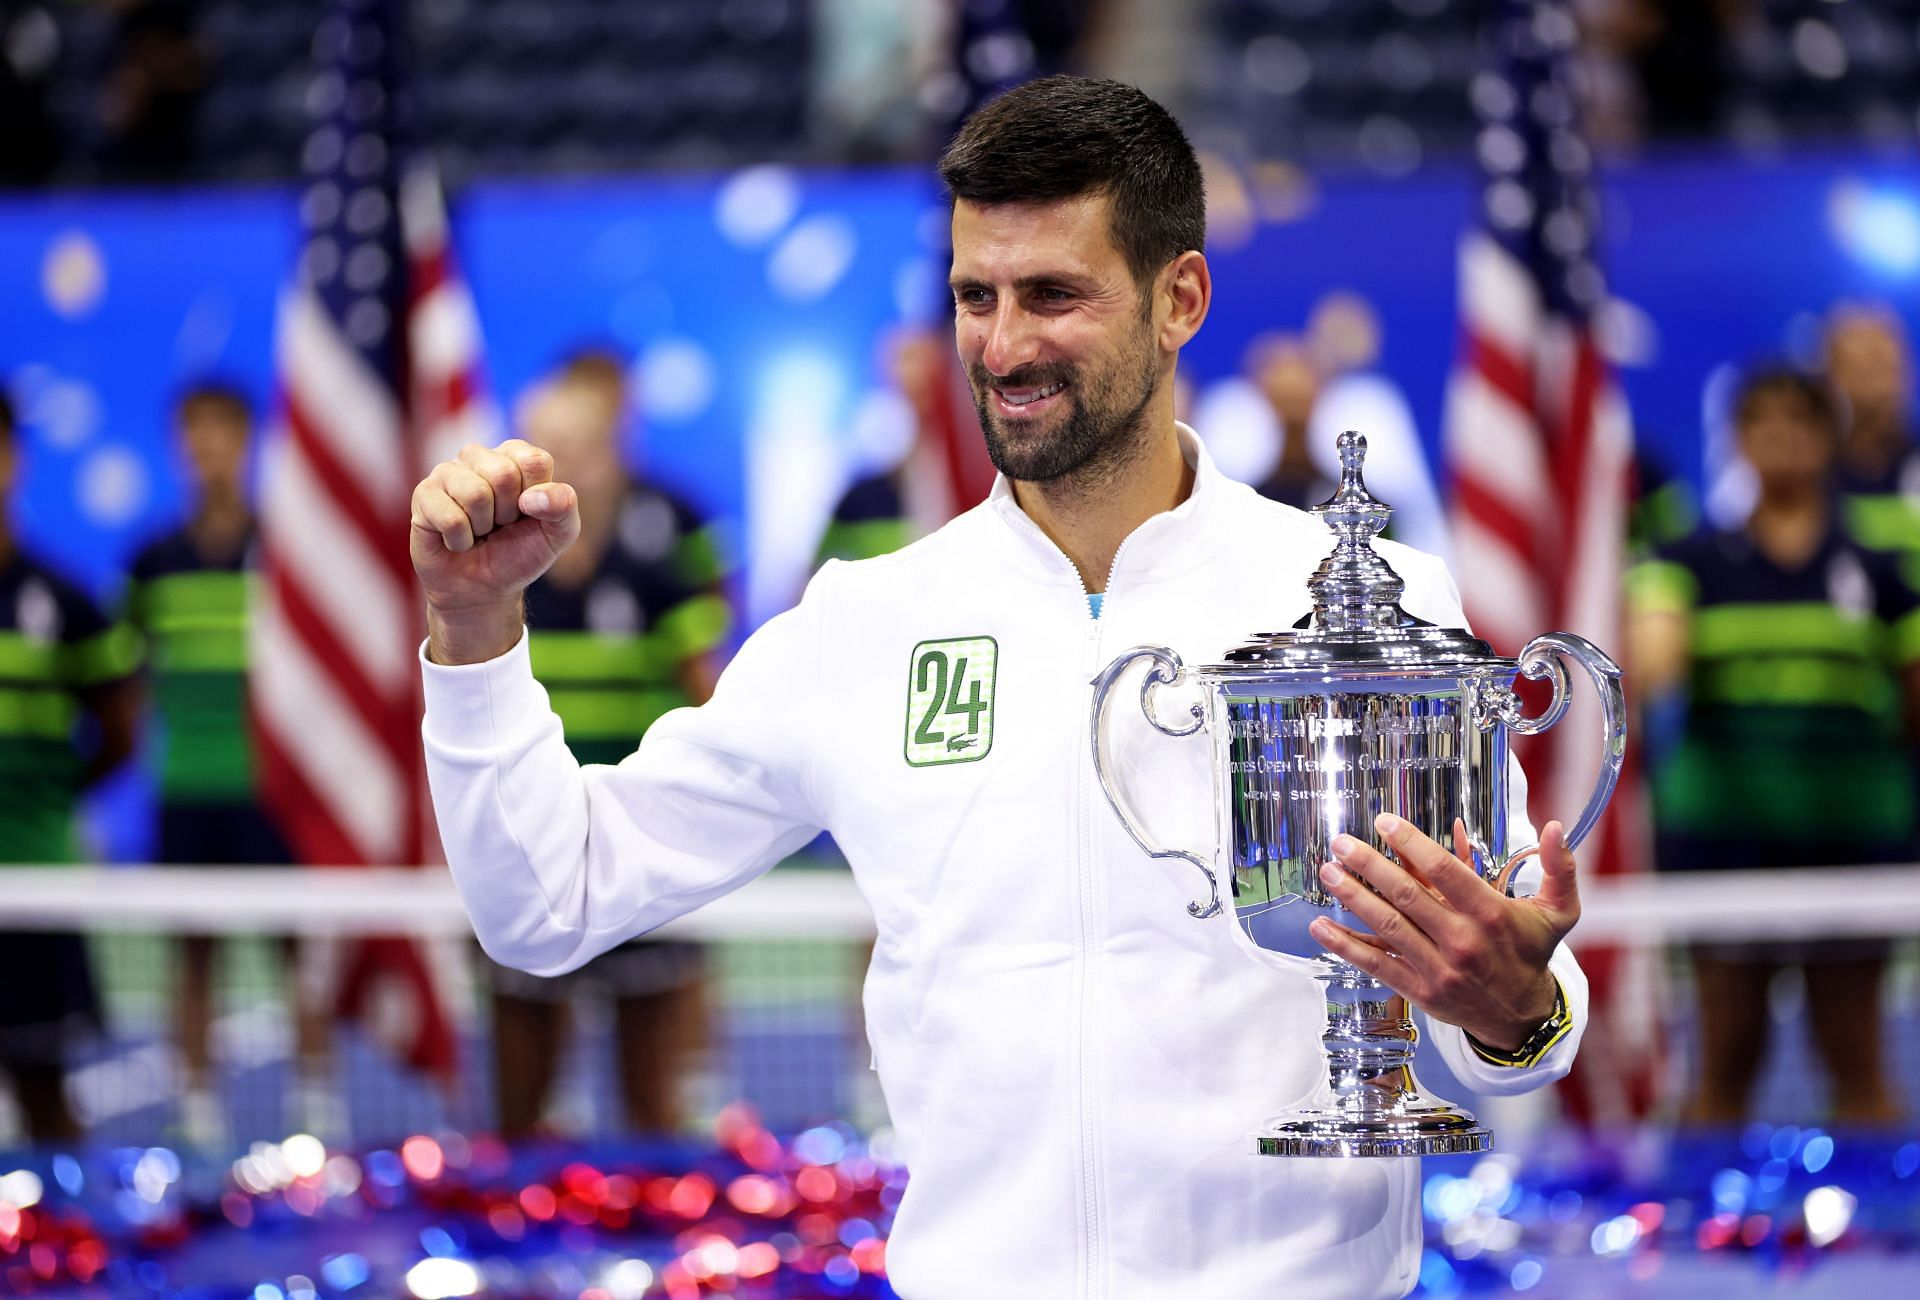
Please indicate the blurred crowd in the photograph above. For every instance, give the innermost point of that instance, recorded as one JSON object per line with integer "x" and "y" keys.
{"x": 170, "y": 90}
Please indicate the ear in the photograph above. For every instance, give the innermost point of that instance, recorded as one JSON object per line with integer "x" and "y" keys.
{"x": 1185, "y": 287}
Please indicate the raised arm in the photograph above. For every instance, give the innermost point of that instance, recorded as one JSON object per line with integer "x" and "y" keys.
{"x": 557, "y": 862}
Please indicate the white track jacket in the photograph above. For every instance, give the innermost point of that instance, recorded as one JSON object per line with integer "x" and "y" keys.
{"x": 1072, "y": 1063}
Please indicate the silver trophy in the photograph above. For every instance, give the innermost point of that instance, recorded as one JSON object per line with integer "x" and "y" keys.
{"x": 1361, "y": 710}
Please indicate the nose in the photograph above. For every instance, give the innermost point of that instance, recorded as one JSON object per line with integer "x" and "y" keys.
{"x": 1011, "y": 339}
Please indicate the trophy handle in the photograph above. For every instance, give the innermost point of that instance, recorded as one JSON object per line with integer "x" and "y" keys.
{"x": 1540, "y": 659}
{"x": 1167, "y": 670}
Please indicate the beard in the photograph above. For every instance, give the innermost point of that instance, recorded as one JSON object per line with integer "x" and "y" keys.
{"x": 1100, "y": 429}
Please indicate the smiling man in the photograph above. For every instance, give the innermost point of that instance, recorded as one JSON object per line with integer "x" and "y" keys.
{"x": 1072, "y": 1064}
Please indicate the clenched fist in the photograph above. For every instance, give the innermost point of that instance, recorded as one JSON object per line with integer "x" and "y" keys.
{"x": 484, "y": 527}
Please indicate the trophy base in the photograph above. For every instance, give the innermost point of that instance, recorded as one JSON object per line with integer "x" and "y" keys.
{"x": 1419, "y": 1128}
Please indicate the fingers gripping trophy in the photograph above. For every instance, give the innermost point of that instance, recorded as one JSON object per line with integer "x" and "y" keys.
{"x": 1315, "y": 733}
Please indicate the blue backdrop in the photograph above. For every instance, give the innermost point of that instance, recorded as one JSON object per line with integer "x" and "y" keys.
{"x": 754, "y": 305}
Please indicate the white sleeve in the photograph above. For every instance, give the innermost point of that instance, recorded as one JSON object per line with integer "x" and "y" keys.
{"x": 1433, "y": 596}
{"x": 557, "y": 862}
{"x": 1491, "y": 1079}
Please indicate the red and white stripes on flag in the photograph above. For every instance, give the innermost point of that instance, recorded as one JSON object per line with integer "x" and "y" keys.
{"x": 1539, "y": 450}
{"x": 377, "y": 359}
{"x": 334, "y": 684}
{"x": 450, "y": 406}
{"x": 1539, "y": 446}
{"x": 948, "y": 471}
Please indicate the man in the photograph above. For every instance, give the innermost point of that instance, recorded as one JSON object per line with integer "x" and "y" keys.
{"x": 625, "y": 627}
{"x": 189, "y": 596}
{"x": 1295, "y": 395}
{"x": 1284, "y": 370}
{"x": 1792, "y": 649}
{"x": 67, "y": 708}
{"x": 1072, "y": 1063}
{"x": 884, "y": 511}
{"x": 692, "y": 545}
{"x": 1867, "y": 360}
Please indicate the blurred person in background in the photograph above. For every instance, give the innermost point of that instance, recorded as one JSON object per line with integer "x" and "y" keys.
{"x": 1868, "y": 362}
{"x": 1277, "y": 422}
{"x": 1284, "y": 370}
{"x": 697, "y": 550}
{"x": 1657, "y": 67}
{"x": 68, "y": 705}
{"x": 151, "y": 98}
{"x": 625, "y": 627}
{"x": 1798, "y": 651}
{"x": 189, "y": 596}
{"x": 886, "y": 509}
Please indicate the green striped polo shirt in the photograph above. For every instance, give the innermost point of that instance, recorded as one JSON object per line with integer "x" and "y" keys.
{"x": 610, "y": 651}
{"x": 193, "y": 614}
{"x": 1793, "y": 725}
{"x": 870, "y": 519}
{"x": 55, "y": 646}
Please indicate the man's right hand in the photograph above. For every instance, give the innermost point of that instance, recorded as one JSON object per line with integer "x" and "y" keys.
{"x": 484, "y": 527}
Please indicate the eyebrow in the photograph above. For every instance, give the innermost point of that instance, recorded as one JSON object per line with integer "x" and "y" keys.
{"x": 1026, "y": 282}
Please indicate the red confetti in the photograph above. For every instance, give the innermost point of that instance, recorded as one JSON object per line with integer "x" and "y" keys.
{"x": 538, "y": 1202}
{"x": 507, "y": 1222}
{"x": 423, "y": 1158}
{"x": 85, "y": 1260}
{"x": 692, "y": 1196}
{"x": 871, "y": 1256}
{"x": 816, "y": 1184}
{"x": 758, "y": 1259}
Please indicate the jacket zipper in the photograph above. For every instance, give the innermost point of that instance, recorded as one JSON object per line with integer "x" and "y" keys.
{"x": 1092, "y": 1250}
{"x": 1092, "y": 982}
{"x": 1089, "y": 987}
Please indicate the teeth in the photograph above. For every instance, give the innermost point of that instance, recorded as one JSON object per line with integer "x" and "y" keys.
{"x": 1033, "y": 396}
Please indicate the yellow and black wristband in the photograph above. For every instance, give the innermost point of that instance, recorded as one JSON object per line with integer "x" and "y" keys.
{"x": 1539, "y": 1042}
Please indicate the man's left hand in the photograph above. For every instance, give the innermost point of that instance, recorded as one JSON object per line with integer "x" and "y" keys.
{"x": 1445, "y": 939}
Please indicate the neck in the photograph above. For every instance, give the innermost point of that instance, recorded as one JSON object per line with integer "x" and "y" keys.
{"x": 1296, "y": 461}
{"x": 1088, "y": 513}
{"x": 1872, "y": 448}
{"x": 1787, "y": 525}
{"x": 221, "y": 522}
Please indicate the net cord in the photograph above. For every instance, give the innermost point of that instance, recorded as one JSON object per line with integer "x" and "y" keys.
{"x": 1808, "y": 903}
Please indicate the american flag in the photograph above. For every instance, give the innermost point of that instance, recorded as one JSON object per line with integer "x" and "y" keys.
{"x": 377, "y": 360}
{"x": 1539, "y": 448}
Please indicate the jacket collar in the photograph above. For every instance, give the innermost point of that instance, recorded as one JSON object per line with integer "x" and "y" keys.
{"x": 1169, "y": 543}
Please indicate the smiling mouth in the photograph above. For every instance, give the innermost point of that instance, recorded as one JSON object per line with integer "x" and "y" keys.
{"x": 1018, "y": 397}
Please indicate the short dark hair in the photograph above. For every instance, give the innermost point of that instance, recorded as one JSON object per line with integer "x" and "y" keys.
{"x": 9, "y": 425}
{"x": 217, "y": 393}
{"x": 1061, "y": 137}
{"x": 1775, "y": 380}
{"x": 595, "y": 362}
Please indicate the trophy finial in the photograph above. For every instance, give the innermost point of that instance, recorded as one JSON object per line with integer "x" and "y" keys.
{"x": 1353, "y": 450}
{"x": 1354, "y": 588}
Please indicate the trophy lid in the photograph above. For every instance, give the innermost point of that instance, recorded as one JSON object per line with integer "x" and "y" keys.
{"x": 1357, "y": 623}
